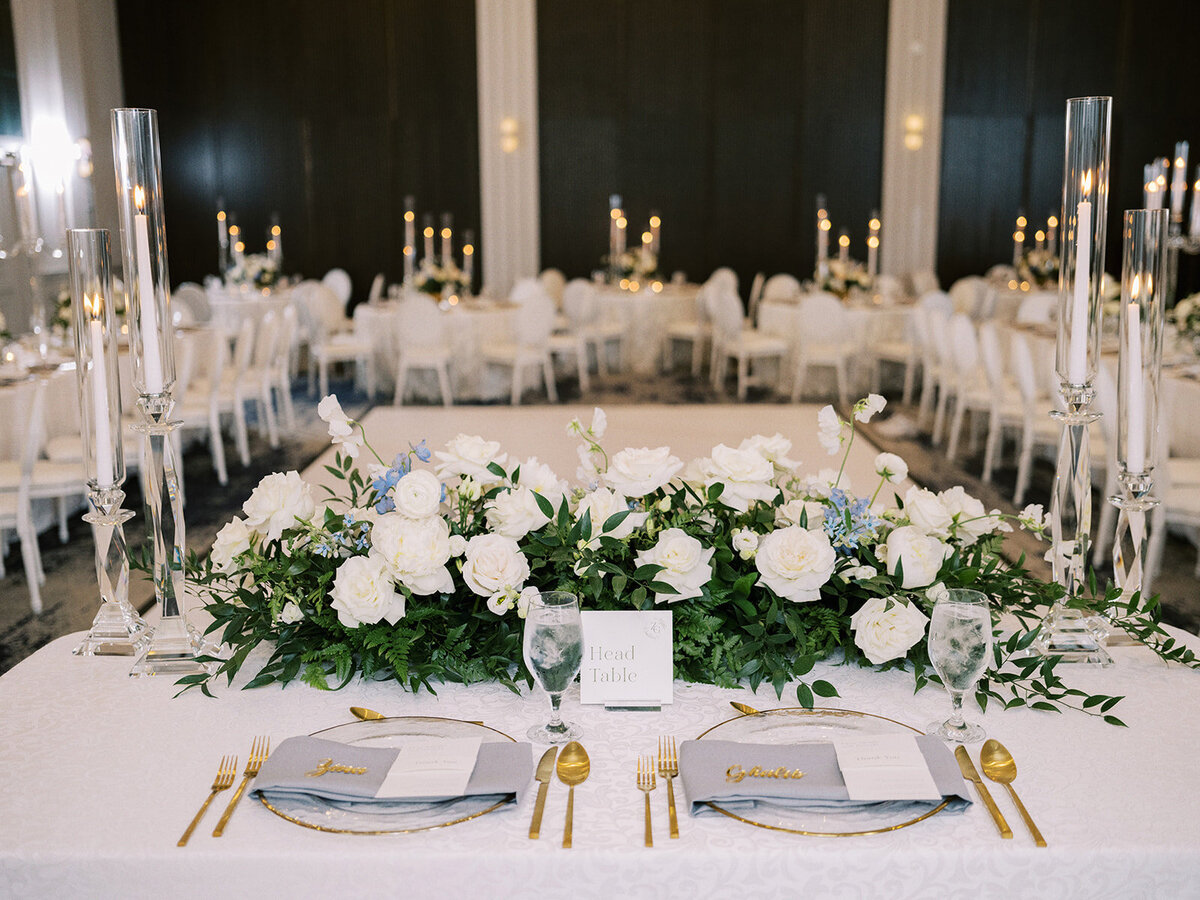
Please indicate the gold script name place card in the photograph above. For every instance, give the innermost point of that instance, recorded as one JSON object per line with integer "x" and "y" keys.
{"x": 328, "y": 765}
{"x": 735, "y": 773}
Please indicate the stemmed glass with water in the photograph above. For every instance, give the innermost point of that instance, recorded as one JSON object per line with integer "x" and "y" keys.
{"x": 553, "y": 650}
{"x": 960, "y": 647}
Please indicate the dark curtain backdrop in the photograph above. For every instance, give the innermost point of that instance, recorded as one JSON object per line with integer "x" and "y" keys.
{"x": 1010, "y": 68}
{"x": 727, "y": 117}
{"x": 327, "y": 113}
{"x": 10, "y": 98}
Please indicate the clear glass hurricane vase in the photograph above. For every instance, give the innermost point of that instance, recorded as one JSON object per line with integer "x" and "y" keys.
{"x": 553, "y": 651}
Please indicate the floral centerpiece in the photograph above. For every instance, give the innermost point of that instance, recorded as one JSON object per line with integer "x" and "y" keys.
{"x": 1039, "y": 266}
{"x": 255, "y": 271}
{"x": 421, "y": 569}
{"x": 440, "y": 280}
{"x": 1185, "y": 316}
{"x": 842, "y": 277}
{"x": 4, "y": 332}
{"x": 641, "y": 263}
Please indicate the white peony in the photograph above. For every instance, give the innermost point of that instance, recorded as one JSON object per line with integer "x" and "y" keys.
{"x": 232, "y": 541}
{"x": 795, "y": 562}
{"x": 494, "y": 564}
{"x": 687, "y": 565}
{"x": 891, "y": 468}
{"x": 831, "y": 430}
{"x": 745, "y": 542}
{"x": 745, "y": 474}
{"x": 341, "y": 426}
{"x": 417, "y": 494}
{"x": 971, "y": 519}
{"x": 866, "y": 408}
{"x": 791, "y": 513}
{"x": 602, "y": 503}
{"x": 775, "y": 449}
{"x": 637, "y": 472}
{"x": 886, "y": 628}
{"x": 541, "y": 479}
{"x": 927, "y": 512}
{"x": 290, "y": 614}
{"x": 920, "y": 555}
{"x": 470, "y": 455}
{"x": 414, "y": 552}
{"x": 363, "y": 593}
{"x": 279, "y": 500}
{"x": 515, "y": 513}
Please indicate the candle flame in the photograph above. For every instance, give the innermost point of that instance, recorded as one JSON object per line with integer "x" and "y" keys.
{"x": 275, "y": 230}
{"x": 1135, "y": 288}
{"x": 647, "y": 237}
{"x": 234, "y": 230}
{"x": 139, "y": 198}
{"x": 1022, "y": 221}
{"x": 872, "y": 242}
{"x": 428, "y": 231}
{"x": 825, "y": 225}
{"x": 93, "y": 305}
{"x": 1018, "y": 236}
{"x": 622, "y": 222}
{"x": 1087, "y": 183}
{"x": 655, "y": 221}
{"x": 843, "y": 240}
{"x": 468, "y": 249}
{"x": 1052, "y": 222}
{"x": 873, "y": 224}
{"x": 615, "y": 213}
{"x": 409, "y": 215}
{"x": 445, "y": 232}
{"x": 408, "y": 250}
{"x": 1039, "y": 235}
{"x": 239, "y": 247}
{"x": 220, "y": 215}
{"x": 270, "y": 245}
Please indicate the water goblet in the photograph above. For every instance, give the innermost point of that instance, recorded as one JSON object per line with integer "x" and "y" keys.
{"x": 553, "y": 650}
{"x": 960, "y": 645}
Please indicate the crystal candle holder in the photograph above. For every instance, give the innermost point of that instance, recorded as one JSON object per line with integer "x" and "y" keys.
{"x": 117, "y": 629}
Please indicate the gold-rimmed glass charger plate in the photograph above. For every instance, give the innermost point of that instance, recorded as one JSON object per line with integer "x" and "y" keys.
{"x": 389, "y": 817}
{"x": 800, "y": 726}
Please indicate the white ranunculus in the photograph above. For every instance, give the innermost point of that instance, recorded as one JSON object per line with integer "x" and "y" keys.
{"x": 865, "y": 409}
{"x": 602, "y": 503}
{"x": 637, "y": 472}
{"x": 341, "y": 427}
{"x": 891, "y": 468}
{"x": 745, "y": 542}
{"x": 414, "y": 552}
{"x": 417, "y": 494}
{"x": 971, "y": 519}
{"x": 746, "y": 475}
{"x": 687, "y": 566}
{"x": 363, "y": 593}
{"x": 831, "y": 430}
{"x": 795, "y": 562}
{"x": 886, "y": 628}
{"x": 927, "y": 512}
{"x": 515, "y": 513}
{"x": 919, "y": 554}
{"x": 791, "y": 513}
{"x": 290, "y": 614}
{"x": 279, "y": 500}
{"x": 470, "y": 455}
{"x": 775, "y": 449}
{"x": 232, "y": 540}
{"x": 494, "y": 564}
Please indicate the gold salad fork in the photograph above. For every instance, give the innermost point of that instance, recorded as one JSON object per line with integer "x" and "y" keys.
{"x": 222, "y": 782}
{"x": 258, "y": 755}
{"x": 645, "y": 782}
{"x": 668, "y": 768}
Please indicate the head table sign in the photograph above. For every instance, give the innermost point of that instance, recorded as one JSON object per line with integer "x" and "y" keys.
{"x": 421, "y": 569}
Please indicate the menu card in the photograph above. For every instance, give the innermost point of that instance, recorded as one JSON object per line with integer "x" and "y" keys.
{"x": 884, "y": 767}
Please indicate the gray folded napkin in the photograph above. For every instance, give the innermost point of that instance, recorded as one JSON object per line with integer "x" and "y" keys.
{"x": 703, "y": 768}
{"x": 502, "y": 767}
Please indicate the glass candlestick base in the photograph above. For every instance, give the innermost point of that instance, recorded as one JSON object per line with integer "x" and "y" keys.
{"x": 1129, "y": 547}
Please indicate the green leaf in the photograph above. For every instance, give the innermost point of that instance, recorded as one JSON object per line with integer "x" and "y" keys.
{"x": 805, "y": 695}
{"x": 824, "y": 689}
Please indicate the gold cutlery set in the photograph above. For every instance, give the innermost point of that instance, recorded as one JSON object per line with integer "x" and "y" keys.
{"x": 573, "y": 768}
{"x": 1000, "y": 767}
{"x": 227, "y": 771}
{"x": 667, "y": 766}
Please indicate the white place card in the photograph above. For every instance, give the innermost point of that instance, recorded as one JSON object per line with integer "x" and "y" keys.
{"x": 885, "y": 767}
{"x": 627, "y": 658}
{"x": 431, "y": 767}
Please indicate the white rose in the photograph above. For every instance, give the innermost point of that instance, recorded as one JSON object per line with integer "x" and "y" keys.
{"x": 745, "y": 542}
{"x": 494, "y": 564}
{"x": 795, "y": 562}
{"x": 232, "y": 540}
{"x": 515, "y": 513}
{"x": 602, "y": 503}
{"x": 418, "y": 494}
{"x": 637, "y": 472}
{"x": 830, "y": 429}
{"x": 687, "y": 566}
{"x": 341, "y": 427}
{"x": 775, "y": 449}
{"x": 887, "y": 628}
{"x": 865, "y": 409}
{"x": 278, "y": 501}
{"x": 927, "y": 512}
{"x": 791, "y": 513}
{"x": 971, "y": 520}
{"x": 414, "y": 552}
{"x": 363, "y": 593}
{"x": 541, "y": 479}
{"x": 919, "y": 554}
{"x": 859, "y": 573}
{"x": 458, "y": 545}
{"x": 470, "y": 455}
{"x": 291, "y": 614}
{"x": 745, "y": 474}
{"x": 891, "y": 467}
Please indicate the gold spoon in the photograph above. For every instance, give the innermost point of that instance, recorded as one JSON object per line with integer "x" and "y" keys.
{"x": 573, "y": 768}
{"x": 1000, "y": 767}
{"x": 744, "y": 709}
{"x": 367, "y": 715}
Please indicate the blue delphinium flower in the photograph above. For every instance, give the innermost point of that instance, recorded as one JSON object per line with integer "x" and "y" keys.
{"x": 848, "y": 523}
{"x": 384, "y": 483}
{"x": 421, "y": 451}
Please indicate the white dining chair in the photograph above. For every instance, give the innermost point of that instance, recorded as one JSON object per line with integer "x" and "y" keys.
{"x": 695, "y": 332}
{"x": 783, "y": 287}
{"x": 970, "y": 391}
{"x": 748, "y": 347}
{"x": 755, "y": 298}
{"x": 601, "y": 333}
{"x": 527, "y": 289}
{"x": 1037, "y": 428}
{"x": 824, "y": 339}
{"x": 528, "y": 346}
{"x": 965, "y": 293}
{"x": 1038, "y": 308}
{"x": 555, "y": 283}
{"x": 332, "y": 347}
{"x": 259, "y": 378}
{"x": 377, "y": 288}
{"x": 281, "y": 366}
{"x": 338, "y": 281}
{"x": 421, "y": 345}
{"x": 189, "y": 305}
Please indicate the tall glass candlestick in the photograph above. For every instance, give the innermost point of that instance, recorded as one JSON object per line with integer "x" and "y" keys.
{"x": 823, "y": 228}
{"x": 1067, "y": 632}
{"x": 275, "y": 243}
{"x": 469, "y": 258}
{"x": 655, "y": 233}
{"x": 873, "y": 244}
{"x": 1138, "y": 379}
{"x": 427, "y": 234}
{"x": 117, "y": 629}
{"x": 447, "y": 242}
{"x": 176, "y": 648}
{"x": 1179, "y": 181}
{"x": 222, "y": 238}
{"x": 1019, "y": 239}
{"x": 410, "y": 238}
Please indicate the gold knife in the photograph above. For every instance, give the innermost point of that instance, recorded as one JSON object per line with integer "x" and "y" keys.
{"x": 969, "y": 773}
{"x": 545, "y": 770}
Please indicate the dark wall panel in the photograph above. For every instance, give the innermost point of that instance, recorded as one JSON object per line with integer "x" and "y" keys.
{"x": 726, "y": 117}
{"x": 326, "y": 113}
{"x": 1010, "y": 68}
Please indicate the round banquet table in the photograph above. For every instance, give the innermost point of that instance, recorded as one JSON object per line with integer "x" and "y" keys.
{"x": 647, "y": 316}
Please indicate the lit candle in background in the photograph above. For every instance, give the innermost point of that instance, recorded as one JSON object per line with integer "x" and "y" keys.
{"x": 222, "y": 225}
{"x": 239, "y": 248}
{"x": 152, "y": 372}
{"x": 1194, "y": 228}
{"x": 873, "y": 227}
{"x": 655, "y": 232}
{"x": 823, "y": 226}
{"x": 1039, "y": 239}
{"x": 614, "y": 213}
{"x": 1135, "y": 425}
{"x": 1052, "y": 234}
{"x": 1077, "y": 350}
{"x": 105, "y": 466}
{"x": 469, "y": 256}
{"x": 447, "y": 245}
{"x": 1148, "y": 186}
{"x": 622, "y": 224}
{"x": 1179, "y": 181}
{"x": 410, "y": 237}
{"x": 275, "y": 242}
{"x": 1019, "y": 240}
{"x": 844, "y": 246}
{"x": 427, "y": 233}
{"x": 1162, "y": 166}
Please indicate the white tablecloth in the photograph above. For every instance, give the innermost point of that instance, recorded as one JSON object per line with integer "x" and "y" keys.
{"x": 647, "y": 316}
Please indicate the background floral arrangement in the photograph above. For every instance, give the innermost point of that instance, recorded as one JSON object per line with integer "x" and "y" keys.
{"x": 1040, "y": 267}
{"x": 437, "y": 279}
{"x": 841, "y": 277}
{"x": 1185, "y": 316}
{"x": 639, "y": 263}
{"x": 421, "y": 569}
{"x": 256, "y": 270}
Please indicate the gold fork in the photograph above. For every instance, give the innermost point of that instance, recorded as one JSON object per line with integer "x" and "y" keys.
{"x": 645, "y": 782}
{"x": 258, "y": 755}
{"x": 222, "y": 782}
{"x": 668, "y": 768}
